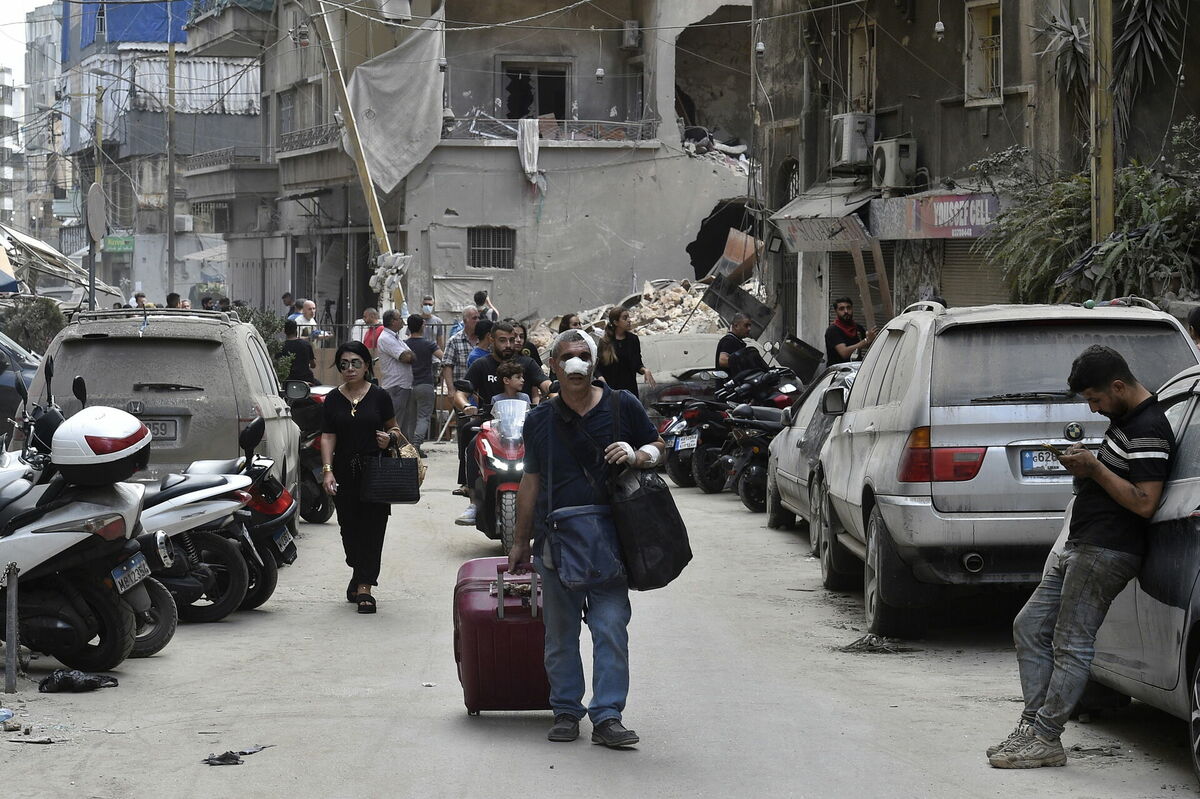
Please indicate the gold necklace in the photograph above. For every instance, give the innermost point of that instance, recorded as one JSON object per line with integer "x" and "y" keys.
{"x": 354, "y": 402}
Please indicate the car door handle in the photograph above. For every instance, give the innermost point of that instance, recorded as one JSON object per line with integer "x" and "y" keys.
{"x": 869, "y": 428}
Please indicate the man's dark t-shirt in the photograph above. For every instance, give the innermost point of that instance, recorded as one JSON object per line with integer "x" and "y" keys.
{"x": 728, "y": 345}
{"x": 482, "y": 375}
{"x": 580, "y": 445}
{"x": 1138, "y": 447}
{"x": 422, "y": 365}
{"x": 300, "y": 364}
{"x": 834, "y": 335}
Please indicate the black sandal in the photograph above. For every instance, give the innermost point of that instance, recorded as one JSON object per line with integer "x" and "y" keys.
{"x": 366, "y": 603}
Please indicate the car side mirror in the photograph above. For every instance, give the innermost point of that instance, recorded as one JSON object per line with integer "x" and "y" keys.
{"x": 79, "y": 389}
{"x": 251, "y": 436}
{"x": 296, "y": 390}
{"x": 833, "y": 401}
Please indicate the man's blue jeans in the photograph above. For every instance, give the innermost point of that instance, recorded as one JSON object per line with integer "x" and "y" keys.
{"x": 1055, "y": 633}
{"x": 608, "y": 614}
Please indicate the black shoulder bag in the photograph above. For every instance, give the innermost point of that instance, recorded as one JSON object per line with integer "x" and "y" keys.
{"x": 653, "y": 538}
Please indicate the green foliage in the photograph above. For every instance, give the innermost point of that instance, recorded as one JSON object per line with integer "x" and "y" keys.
{"x": 1046, "y": 230}
{"x": 1069, "y": 43}
{"x": 270, "y": 326}
{"x": 33, "y": 321}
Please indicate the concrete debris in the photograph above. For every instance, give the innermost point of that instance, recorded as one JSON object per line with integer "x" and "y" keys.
{"x": 877, "y": 644}
{"x": 662, "y": 307}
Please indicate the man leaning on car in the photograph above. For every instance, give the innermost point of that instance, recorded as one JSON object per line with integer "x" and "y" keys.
{"x": 1118, "y": 491}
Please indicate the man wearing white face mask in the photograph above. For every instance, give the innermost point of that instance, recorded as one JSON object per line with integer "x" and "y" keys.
{"x": 435, "y": 328}
{"x": 570, "y": 441}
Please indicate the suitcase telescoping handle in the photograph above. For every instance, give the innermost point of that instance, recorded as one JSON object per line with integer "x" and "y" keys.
{"x": 501, "y": 569}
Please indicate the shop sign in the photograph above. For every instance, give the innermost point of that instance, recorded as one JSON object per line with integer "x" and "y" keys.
{"x": 945, "y": 216}
{"x": 118, "y": 244}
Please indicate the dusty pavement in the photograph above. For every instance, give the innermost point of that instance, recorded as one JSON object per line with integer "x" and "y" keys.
{"x": 738, "y": 689}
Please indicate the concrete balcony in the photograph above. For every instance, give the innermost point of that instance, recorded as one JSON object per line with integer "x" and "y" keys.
{"x": 298, "y": 142}
{"x": 230, "y": 173}
{"x": 486, "y": 130}
{"x": 235, "y": 28}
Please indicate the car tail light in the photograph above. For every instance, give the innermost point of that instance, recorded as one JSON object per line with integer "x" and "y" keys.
{"x": 922, "y": 463}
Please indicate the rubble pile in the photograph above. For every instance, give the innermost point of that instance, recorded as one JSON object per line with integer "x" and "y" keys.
{"x": 663, "y": 307}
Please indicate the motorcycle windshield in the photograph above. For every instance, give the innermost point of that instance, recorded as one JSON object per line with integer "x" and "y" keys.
{"x": 509, "y": 416}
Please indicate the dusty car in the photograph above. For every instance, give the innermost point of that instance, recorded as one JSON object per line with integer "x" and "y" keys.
{"x": 15, "y": 362}
{"x": 934, "y": 477}
{"x": 683, "y": 368}
{"x": 1149, "y": 644}
{"x": 194, "y": 377}
{"x": 793, "y": 469}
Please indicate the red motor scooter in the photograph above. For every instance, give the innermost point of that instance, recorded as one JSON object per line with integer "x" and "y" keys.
{"x": 499, "y": 451}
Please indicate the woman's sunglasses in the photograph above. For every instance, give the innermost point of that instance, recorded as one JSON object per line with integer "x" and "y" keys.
{"x": 351, "y": 364}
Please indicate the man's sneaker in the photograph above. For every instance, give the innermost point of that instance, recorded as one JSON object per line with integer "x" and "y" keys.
{"x": 565, "y": 729}
{"x": 467, "y": 518}
{"x": 612, "y": 733}
{"x": 1022, "y": 730}
{"x": 1032, "y": 752}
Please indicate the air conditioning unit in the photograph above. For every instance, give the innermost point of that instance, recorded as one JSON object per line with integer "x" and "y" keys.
{"x": 631, "y": 36}
{"x": 184, "y": 223}
{"x": 850, "y": 140}
{"x": 894, "y": 164}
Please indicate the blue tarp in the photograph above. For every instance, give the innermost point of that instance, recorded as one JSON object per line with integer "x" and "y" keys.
{"x": 87, "y": 25}
{"x": 148, "y": 22}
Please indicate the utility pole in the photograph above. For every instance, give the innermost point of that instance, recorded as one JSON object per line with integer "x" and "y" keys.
{"x": 1103, "y": 128}
{"x": 170, "y": 161}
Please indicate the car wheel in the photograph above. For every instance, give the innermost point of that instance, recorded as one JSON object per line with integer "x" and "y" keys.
{"x": 679, "y": 469}
{"x": 778, "y": 517}
{"x": 883, "y": 618}
{"x": 839, "y": 567}
{"x": 1194, "y": 719}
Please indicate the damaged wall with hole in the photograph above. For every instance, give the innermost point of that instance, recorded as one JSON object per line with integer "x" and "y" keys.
{"x": 712, "y": 74}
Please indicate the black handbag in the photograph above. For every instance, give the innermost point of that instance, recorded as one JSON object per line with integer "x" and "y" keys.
{"x": 393, "y": 480}
{"x": 651, "y": 533}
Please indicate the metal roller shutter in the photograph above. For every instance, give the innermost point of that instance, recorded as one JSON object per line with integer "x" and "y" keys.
{"x": 968, "y": 279}
{"x": 842, "y": 282}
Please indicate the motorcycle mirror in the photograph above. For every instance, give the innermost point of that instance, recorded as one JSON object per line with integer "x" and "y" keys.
{"x": 49, "y": 379}
{"x": 251, "y": 436}
{"x": 79, "y": 389}
{"x": 296, "y": 390}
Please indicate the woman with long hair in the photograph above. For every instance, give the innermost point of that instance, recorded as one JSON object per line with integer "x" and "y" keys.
{"x": 569, "y": 322}
{"x": 522, "y": 344}
{"x": 620, "y": 353}
{"x": 359, "y": 421}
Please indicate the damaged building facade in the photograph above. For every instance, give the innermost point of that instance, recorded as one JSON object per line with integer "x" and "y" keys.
{"x": 543, "y": 162}
{"x": 877, "y": 111}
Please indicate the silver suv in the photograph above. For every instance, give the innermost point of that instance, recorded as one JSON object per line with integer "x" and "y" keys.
{"x": 194, "y": 377}
{"x": 935, "y": 476}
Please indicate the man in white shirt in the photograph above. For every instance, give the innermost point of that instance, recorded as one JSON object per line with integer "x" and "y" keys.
{"x": 395, "y": 369}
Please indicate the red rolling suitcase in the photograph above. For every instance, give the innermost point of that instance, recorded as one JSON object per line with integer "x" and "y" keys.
{"x": 499, "y": 638}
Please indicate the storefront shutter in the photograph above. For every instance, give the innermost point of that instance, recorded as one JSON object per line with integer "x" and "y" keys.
{"x": 968, "y": 279}
{"x": 842, "y": 283}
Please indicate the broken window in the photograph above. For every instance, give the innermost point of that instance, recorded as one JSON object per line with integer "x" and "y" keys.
{"x": 535, "y": 91}
{"x": 491, "y": 247}
{"x": 983, "y": 54}
{"x": 860, "y": 84}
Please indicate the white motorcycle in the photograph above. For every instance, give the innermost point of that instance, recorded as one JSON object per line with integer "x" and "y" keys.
{"x": 67, "y": 521}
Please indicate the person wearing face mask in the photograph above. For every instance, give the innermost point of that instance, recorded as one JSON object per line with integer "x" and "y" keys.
{"x": 579, "y": 457}
{"x": 487, "y": 383}
{"x": 435, "y": 328}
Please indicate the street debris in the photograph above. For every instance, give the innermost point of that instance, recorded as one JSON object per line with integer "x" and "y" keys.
{"x": 428, "y": 684}
{"x": 1105, "y": 750}
{"x": 6, "y": 714}
{"x": 74, "y": 681}
{"x": 877, "y": 644}
{"x": 35, "y": 741}
{"x": 12, "y": 725}
{"x": 234, "y": 758}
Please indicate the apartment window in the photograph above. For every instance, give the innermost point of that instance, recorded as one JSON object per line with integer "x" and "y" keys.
{"x": 101, "y": 23}
{"x": 984, "y": 54}
{"x": 534, "y": 90}
{"x": 287, "y": 111}
{"x": 860, "y": 83}
{"x": 491, "y": 247}
{"x": 211, "y": 217}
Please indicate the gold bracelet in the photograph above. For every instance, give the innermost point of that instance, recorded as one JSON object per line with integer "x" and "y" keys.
{"x": 325, "y": 467}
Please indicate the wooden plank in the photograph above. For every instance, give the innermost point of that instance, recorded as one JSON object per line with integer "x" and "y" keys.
{"x": 885, "y": 289}
{"x": 864, "y": 287}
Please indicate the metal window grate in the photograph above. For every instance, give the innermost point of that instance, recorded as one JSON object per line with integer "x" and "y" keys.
{"x": 491, "y": 247}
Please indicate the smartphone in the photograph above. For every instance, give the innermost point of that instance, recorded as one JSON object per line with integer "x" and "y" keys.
{"x": 1056, "y": 450}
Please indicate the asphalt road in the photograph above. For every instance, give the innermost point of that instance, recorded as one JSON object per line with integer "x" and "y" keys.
{"x": 739, "y": 688}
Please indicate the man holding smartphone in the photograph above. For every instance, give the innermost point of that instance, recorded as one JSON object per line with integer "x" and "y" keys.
{"x": 1118, "y": 490}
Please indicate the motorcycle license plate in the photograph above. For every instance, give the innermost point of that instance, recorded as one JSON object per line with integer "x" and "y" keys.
{"x": 131, "y": 572}
{"x": 687, "y": 442}
{"x": 282, "y": 539}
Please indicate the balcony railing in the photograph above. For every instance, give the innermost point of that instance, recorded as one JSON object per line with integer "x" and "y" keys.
{"x": 485, "y": 127}
{"x": 309, "y": 137}
{"x": 201, "y": 7}
{"x": 229, "y": 156}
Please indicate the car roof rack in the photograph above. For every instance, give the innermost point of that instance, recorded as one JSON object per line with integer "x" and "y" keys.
{"x": 140, "y": 313}
{"x": 926, "y": 305}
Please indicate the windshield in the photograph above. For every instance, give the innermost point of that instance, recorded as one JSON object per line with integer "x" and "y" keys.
{"x": 509, "y": 415}
{"x": 150, "y": 366}
{"x": 20, "y": 352}
{"x": 1029, "y": 362}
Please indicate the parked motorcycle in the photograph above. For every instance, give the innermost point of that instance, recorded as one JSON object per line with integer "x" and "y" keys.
{"x": 308, "y": 413}
{"x": 746, "y": 451}
{"x": 67, "y": 521}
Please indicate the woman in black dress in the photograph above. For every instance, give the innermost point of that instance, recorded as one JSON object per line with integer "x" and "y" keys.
{"x": 621, "y": 353}
{"x": 359, "y": 421}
